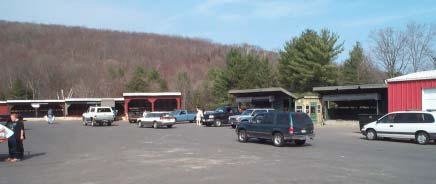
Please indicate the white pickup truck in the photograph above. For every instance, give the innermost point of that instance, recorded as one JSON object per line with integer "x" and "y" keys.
{"x": 98, "y": 116}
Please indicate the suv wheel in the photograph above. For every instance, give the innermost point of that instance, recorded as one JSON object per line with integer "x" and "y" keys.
{"x": 371, "y": 134}
{"x": 218, "y": 123}
{"x": 169, "y": 126}
{"x": 422, "y": 138}
{"x": 155, "y": 125}
{"x": 278, "y": 140}
{"x": 300, "y": 142}
{"x": 242, "y": 136}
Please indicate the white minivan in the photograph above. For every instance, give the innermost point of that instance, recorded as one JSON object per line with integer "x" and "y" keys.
{"x": 414, "y": 125}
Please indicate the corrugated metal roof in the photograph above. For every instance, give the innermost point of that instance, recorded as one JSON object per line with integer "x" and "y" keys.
{"x": 424, "y": 75}
{"x": 259, "y": 90}
{"x": 350, "y": 87}
{"x": 2, "y": 102}
{"x": 154, "y": 94}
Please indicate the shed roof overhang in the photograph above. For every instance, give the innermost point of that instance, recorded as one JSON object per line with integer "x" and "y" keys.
{"x": 351, "y": 97}
{"x": 262, "y": 91}
{"x": 349, "y": 87}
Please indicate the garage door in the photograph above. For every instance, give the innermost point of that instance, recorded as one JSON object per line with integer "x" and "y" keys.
{"x": 429, "y": 99}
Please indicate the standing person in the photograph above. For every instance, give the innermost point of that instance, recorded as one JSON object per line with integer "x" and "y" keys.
{"x": 199, "y": 116}
{"x": 50, "y": 116}
{"x": 15, "y": 142}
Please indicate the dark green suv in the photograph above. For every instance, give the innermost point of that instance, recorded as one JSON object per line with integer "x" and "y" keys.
{"x": 280, "y": 127}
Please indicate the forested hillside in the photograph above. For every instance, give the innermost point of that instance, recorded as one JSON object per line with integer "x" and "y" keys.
{"x": 42, "y": 60}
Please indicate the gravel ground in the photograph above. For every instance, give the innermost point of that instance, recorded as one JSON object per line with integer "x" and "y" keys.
{"x": 68, "y": 152}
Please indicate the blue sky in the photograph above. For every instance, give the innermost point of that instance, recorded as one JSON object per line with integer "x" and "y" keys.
{"x": 265, "y": 23}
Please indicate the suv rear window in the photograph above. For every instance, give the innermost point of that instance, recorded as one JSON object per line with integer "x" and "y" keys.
{"x": 301, "y": 119}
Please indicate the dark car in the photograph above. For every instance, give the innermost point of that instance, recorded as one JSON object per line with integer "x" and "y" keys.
{"x": 220, "y": 116}
{"x": 280, "y": 127}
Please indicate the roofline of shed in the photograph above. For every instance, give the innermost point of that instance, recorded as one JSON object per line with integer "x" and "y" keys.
{"x": 350, "y": 87}
{"x": 260, "y": 90}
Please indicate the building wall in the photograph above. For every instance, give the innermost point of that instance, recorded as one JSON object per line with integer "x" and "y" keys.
{"x": 308, "y": 102}
{"x": 407, "y": 95}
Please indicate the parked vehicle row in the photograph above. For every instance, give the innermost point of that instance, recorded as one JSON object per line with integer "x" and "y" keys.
{"x": 280, "y": 127}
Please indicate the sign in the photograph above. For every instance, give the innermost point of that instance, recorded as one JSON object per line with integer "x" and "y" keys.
{"x": 5, "y": 132}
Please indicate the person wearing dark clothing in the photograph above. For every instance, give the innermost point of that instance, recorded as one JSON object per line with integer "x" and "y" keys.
{"x": 15, "y": 142}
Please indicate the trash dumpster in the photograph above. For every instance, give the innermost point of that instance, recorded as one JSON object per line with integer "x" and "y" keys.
{"x": 367, "y": 118}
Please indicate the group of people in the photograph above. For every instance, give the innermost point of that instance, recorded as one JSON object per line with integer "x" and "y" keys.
{"x": 15, "y": 142}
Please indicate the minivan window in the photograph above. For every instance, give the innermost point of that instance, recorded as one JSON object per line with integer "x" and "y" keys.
{"x": 283, "y": 119}
{"x": 387, "y": 119}
{"x": 407, "y": 118}
{"x": 301, "y": 118}
{"x": 428, "y": 118}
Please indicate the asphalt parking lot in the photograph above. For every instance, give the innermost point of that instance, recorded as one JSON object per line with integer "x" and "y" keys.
{"x": 68, "y": 152}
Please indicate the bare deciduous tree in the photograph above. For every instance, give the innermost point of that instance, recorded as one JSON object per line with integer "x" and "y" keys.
{"x": 419, "y": 38}
{"x": 389, "y": 50}
{"x": 49, "y": 58}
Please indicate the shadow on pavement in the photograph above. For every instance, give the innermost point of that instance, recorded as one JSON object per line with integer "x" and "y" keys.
{"x": 27, "y": 155}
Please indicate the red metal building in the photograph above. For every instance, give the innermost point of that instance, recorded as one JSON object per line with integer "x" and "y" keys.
{"x": 4, "y": 111}
{"x": 165, "y": 101}
{"x": 415, "y": 91}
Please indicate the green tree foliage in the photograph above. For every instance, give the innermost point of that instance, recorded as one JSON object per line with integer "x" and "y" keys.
{"x": 115, "y": 73}
{"x": 2, "y": 96}
{"x": 153, "y": 75}
{"x": 307, "y": 61}
{"x": 242, "y": 71}
{"x": 352, "y": 66}
{"x": 163, "y": 86}
{"x": 138, "y": 83}
{"x": 19, "y": 91}
{"x": 146, "y": 80}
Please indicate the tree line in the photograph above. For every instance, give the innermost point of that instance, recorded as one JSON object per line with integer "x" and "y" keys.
{"x": 41, "y": 60}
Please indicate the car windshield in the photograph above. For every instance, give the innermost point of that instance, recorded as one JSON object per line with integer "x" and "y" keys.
{"x": 247, "y": 112}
